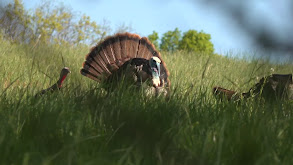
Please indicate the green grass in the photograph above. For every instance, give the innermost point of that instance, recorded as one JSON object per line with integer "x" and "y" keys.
{"x": 82, "y": 124}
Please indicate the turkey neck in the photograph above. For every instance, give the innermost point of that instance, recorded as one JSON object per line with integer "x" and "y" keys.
{"x": 61, "y": 79}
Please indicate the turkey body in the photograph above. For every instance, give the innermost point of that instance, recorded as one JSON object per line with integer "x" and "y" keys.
{"x": 129, "y": 59}
{"x": 271, "y": 88}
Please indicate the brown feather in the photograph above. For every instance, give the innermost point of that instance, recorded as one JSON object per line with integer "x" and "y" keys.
{"x": 147, "y": 48}
{"x": 94, "y": 64}
{"x": 123, "y": 41}
{"x": 103, "y": 64}
{"x": 141, "y": 49}
{"x": 89, "y": 75}
{"x": 132, "y": 43}
{"x": 104, "y": 56}
{"x": 91, "y": 69}
{"x": 117, "y": 51}
{"x": 108, "y": 50}
{"x": 100, "y": 65}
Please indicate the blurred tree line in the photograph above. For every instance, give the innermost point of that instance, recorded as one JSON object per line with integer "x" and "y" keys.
{"x": 192, "y": 41}
{"x": 51, "y": 23}
{"x": 48, "y": 23}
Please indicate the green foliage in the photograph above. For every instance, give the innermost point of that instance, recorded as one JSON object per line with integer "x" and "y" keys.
{"x": 88, "y": 31}
{"x": 170, "y": 40}
{"x": 194, "y": 41}
{"x": 154, "y": 37}
{"x": 122, "y": 28}
{"x": 49, "y": 23}
{"x": 52, "y": 24}
{"x": 191, "y": 41}
{"x": 82, "y": 124}
{"x": 15, "y": 22}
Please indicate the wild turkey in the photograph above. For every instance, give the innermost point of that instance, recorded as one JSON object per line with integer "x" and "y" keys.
{"x": 56, "y": 86}
{"x": 272, "y": 87}
{"x": 127, "y": 57}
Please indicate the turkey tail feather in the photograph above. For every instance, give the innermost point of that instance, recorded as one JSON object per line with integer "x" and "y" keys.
{"x": 146, "y": 49}
{"x": 89, "y": 75}
{"x": 117, "y": 51}
{"x": 87, "y": 66}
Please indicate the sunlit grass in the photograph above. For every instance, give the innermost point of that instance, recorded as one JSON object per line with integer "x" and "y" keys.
{"x": 82, "y": 124}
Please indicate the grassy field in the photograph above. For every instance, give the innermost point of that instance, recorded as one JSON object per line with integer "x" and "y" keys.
{"x": 82, "y": 124}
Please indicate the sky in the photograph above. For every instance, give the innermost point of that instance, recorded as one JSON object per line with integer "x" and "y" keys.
{"x": 146, "y": 16}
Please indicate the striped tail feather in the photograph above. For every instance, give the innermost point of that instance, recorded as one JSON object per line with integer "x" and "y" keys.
{"x": 108, "y": 50}
{"x": 91, "y": 63}
{"x": 98, "y": 63}
{"x": 130, "y": 43}
{"x": 109, "y": 55}
{"x": 143, "y": 50}
{"x": 89, "y": 75}
{"x": 123, "y": 47}
{"x": 92, "y": 68}
{"x": 117, "y": 50}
